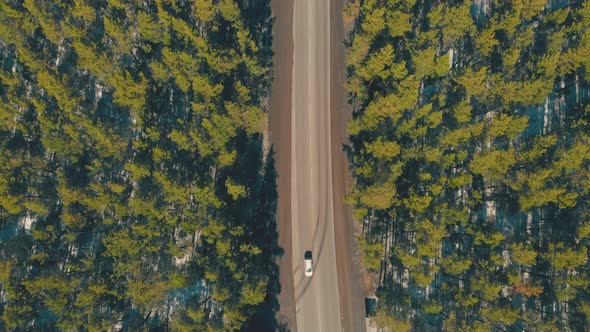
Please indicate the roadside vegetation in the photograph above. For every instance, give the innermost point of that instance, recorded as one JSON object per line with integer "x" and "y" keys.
{"x": 470, "y": 145}
{"x": 136, "y": 192}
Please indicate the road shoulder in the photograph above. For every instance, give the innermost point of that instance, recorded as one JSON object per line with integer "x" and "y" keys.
{"x": 350, "y": 278}
{"x": 280, "y": 127}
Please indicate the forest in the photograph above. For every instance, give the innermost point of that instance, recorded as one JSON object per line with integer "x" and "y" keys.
{"x": 137, "y": 187}
{"x": 470, "y": 148}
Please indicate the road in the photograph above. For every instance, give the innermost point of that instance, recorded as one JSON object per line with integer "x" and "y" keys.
{"x": 307, "y": 120}
{"x": 317, "y": 299}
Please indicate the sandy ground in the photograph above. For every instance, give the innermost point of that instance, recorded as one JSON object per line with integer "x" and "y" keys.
{"x": 280, "y": 126}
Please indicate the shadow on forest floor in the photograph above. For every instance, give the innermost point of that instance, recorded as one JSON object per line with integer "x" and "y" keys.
{"x": 260, "y": 208}
{"x": 257, "y": 213}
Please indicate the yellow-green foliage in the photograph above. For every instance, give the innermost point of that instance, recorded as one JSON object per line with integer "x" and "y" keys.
{"x": 469, "y": 143}
{"x": 119, "y": 164}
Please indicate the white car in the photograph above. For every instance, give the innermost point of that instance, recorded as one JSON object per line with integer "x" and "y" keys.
{"x": 308, "y": 264}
